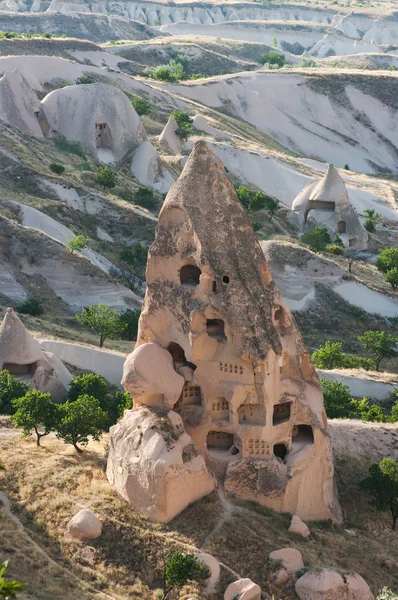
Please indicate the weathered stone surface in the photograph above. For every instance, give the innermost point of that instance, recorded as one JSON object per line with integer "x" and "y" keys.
{"x": 214, "y": 566}
{"x": 168, "y": 139}
{"x": 154, "y": 465}
{"x": 281, "y": 576}
{"x": 85, "y": 525}
{"x": 212, "y": 304}
{"x": 290, "y": 559}
{"x": 298, "y": 527}
{"x": 325, "y": 201}
{"x": 330, "y": 585}
{"x": 243, "y": 589}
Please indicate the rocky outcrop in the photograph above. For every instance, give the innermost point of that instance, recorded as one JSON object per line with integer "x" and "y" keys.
{"x": 298, "y": 527}
{"x": 289, "y": 558}
{"x": 23, "y": 357}
{"x": 325, "y": 202}
{"x": 154, "y": 464}
{"x": 243, "y": 589}
{"x": 168, "y": 139}
{"x": 330, "y": 585}
{"x": 249, "y": 396}
{"x": 19, "y": 104}
{"x": 85, "y": 525}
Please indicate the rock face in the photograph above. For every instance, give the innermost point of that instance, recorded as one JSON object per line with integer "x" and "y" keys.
{"x": 154, "y": 465}
{"x": 325, "y": 202}
{"x": 85, "y": 525}
{"x": 22, "y": 356}
{"x": 290, "y": 559}
{"x": 214, "y": 566}
{"x": 19, "y": 104}
{"x": 298, "y": 527}
{"x": 243, "y": 589}
{"x": 250, "y": 400}
{"x": 168, "y": 139}
{"x": 330, "y": 585}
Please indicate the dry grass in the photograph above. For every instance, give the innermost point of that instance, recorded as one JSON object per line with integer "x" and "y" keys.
{"x": 48, "y": 485}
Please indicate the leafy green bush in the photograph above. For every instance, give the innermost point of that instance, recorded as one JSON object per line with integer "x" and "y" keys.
{"x": 10, "y": 389}
{"x": 382, "y": 484}
{"x": 181, "y": 568}
{"x": 334, "y": 249}
{"x": 392, "y": 277}
{"x": 106, "y": 177}
{"x": 337, "y": 399}
{"x": 257, "y": 225}
{"x": 184, "y": 122}
{"x": 146, "y": 198}
{"x": 368, "y": 412}
{"x": 122, "y": 402}
{"x": 307, "y": 63}
{"x": 273, "y": 58}
{"x": 317, "y": 239}
{"x": 35, "y": 411}
{"x": 89, "y": 384}
{"x": 57, "y": 168}
{"x": 129, "y": 318}
{"x": 372, "y": 219}
{"x": 76, "y": 244}
{"x": 379, "y": 343}
{"x": 80, "y": 419}
{"x": 141, "y": 105}
{"x": 330, "y": 356}
{"x": 387, "y": 260}
{"x": 32, "y": 307}
{"x": 84, "y": 79}
{"x": 172, "y": 72}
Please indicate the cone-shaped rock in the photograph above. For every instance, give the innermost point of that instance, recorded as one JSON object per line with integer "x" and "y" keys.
{"x": 17, "y": 346}
{"x": 325, "y": 201}
{"x": 168, "y": 139}
{"x": 251, "y": 400}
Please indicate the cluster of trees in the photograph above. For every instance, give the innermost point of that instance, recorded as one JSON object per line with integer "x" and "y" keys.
{"x": 184, "y": 122}
{"x": 387, "y": 263}
{"x": 273, "y": 60}
{"x": 174, "y": 70}
{"x": 379, "y": 344}
{"x": 91, "y": 408}
{"x": 12, "y": 34}
{"x": 255, "y": 201}
{"x": 108, "y": 323}
{"x": 339, "y": 404}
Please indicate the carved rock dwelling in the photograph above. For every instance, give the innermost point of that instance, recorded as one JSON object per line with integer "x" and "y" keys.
{"x": 218, "y": 346}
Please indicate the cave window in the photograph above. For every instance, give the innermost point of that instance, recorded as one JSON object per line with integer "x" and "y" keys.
{"x": 280, "y": 317}
{"x": 302, "y": 435}
{"x": 214, "y": 286}
{"x": 215, "y": 329}
{"x": 251, "y": 414}
{"x": 280, "y": 451}
{"x": 221, "y": 441}
{"x": 177, "y": 353}
{"x": 190, "y": 275}
{"x": 341, "y": 227}
{"x": 281, "y": 413}
{"x": 225, "y": 279}
{"x": 15, "y": 369}
{"x": 191, "y": 395}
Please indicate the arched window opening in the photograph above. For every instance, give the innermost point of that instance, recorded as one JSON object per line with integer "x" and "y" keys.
{"x": 190, "y": 275}
{"x": 281, "y": 413}
{"x": 280, "y": 451}
{"x": 251, "y": 414}
{"x": 302, "y": 435}
{"x": 215, "y": 329}
{"x": 15, "y": 369}
{"x": 176, "y": 352}
{"x": 221, "y": 441}
{"x": 341, "y": 227}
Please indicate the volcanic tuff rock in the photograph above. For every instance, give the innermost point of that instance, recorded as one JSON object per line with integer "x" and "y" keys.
{"x": 325, "y": 202}
{"x": 250, "y": 400}
{"x": 330, "y": 585}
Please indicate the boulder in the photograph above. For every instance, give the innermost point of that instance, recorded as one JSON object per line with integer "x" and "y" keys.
{"x": 154, "y": 464}
{"x": 290, "y": 559}
{"x": 243, "y": 589}
{"x": 298, "y": 527}
{"x": 329, "y": 585}
{"x": 281, "y": 577}
{"x": 85, "y": 525}
{"x": 214, "y": 566}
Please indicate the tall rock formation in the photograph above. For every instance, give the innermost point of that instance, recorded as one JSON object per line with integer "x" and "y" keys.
{"x": 325, "y": 202}
{"x": 217, "y": 345}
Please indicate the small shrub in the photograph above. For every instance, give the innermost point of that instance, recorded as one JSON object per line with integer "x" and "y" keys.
{"x": 57, "y": 168}
{"x": 181, "y": 568}
{"x": 372, "y": 219}
{"x": 184, "y": 122}
{"x": 334, "y": 249}
{"x": 141, "y": 105}
{"x": 257, "y": 225}
{"x": 146, "y": 198}
{"x": 387, "y": 260}
{"x": 306, "y": 63}
{"x": 64, "y": 145}
{"x": 32, "y": 307}
{"x": 10, "y": 389}
{"x": 337, "y": 399}
{"x": 317, "y": 239}
{"x": 392, "y": 278}
{"x": 368, "y": 412}
{"x": 346, "y": 167}
{"x": 273, "y": 58}
{"x": 106, "y": 177}
{"x": 84, "y": 79}
{"x": 76, "y": 244}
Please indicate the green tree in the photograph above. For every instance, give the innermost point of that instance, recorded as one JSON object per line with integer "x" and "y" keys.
{"x": 372, "y": 219}
{"x": 130, "y": 319}
{"x": 35, "y": 411}
{"x": 80, "y": 419}
{"x": 76, "y": 244}
{"x": 89, "y": 384}
{"x": 181, "y": 568}
{"x": 84, "y": 79}
{"x": 382, "y": 484}
{"x": 337, "y": 399}
{"x": 145, "y": 197}
{"x": 173, "y": 71}
{"x": 274, "y": 41}
{"x": 387, "y": 260}
{"x": 379, "y": 343}
{"x": 393, "y": 418}
{"x": 317, "y": 239}
{"x": 31, "y": 306}
{"x": 131, "y": 269}
{"x": 57, "y": 168}
{"x": 141, "y": 105}
{"x": 392, "y": 277}
{"x": 271, "y": 205}
{"x": 329, "y": 356}
{"x": 184, "y": 122}
{"x": 10, "y": 389}
{"x": 9, "y": 589}
{"x": 368, "y": 412}
{"x": 123, "y": 401}
{"x": 106, "y": 177}
{"x": 273, "y": 58}
{"x": 102, "y": 320}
